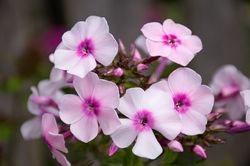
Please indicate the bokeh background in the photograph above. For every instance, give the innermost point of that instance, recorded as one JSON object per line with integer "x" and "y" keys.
{"x": 31, "y": 29}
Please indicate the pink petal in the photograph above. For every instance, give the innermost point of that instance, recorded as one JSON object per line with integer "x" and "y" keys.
{"x": 49, "y": 124}
{"x": 184, "y": 80}
{"x": 175, "y": 146}
{"x": 85, "y": 129}
{"x": 31, "y": 129}
{"x": 56, "y": 141}
{"x": 85, "y": 86}
{"x": 147, "y": 146}
{"x": 109, "y": 121}
{"x": 246, "y": 97}
{"x": 171, "y": 27}
{"x": 60, "y": 157}
{"x": 70, "y": 109}
{"x": 140, "y": 42}
{"x": 125, "y": 134}
{"x": 161, "y": 85}
{"x": 181, "y": 55}
{"x": 192, "y": 43}
{"x": 106, "y": 49}
{"x": 33, "y": 107}
{"x": 131, "y": 102}
{"x": 248, "y": 117}
{"x": 235, "y": 107}
{"x": 57, "y": 75}
{"x": 193, "y": 123}
{"x": 65, "y": 59}
{"x": 83, "y": 66}
{"x": 106, "y": 88}
{"x": 153, "y": 31}
{"x": 70, "y": 40}
{"x": 202, "y": 100}
{"x": 96, "y": 26}
{"x": 158, "y": 48}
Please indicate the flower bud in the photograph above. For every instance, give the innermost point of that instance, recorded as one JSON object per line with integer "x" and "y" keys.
{"x": 239, "y": 127}
{"x": 200, "y": 151}
{"x": 175, "y": 146}
{"x": 112, "y": 149}
{"x": 118, "y": 72}
{"x": 142, "y": 67}
{"x": 122, "y": 47}
{"x": 135, "y": 54}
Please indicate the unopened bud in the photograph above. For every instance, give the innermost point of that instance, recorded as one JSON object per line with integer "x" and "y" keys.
{"x": 113, "y": 149}
{"x": 200, "y": 151}
{"x": 175, "y": 146}
{"x": 142, "y": 67}
{"x": 118, "y": 72}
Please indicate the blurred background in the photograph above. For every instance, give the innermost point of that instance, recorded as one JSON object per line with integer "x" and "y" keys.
{"x": 31, "y": 29}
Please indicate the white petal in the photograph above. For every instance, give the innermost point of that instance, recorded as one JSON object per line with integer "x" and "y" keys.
{"x": 193, "y": 123}
{"x": 170, "y": 27}
{"x": 248, "y": 117}
{"x": 85, "y": 129}
{"x": 85, "y": 86}
{"x": 192, "y": 43}
{"x": 31, "y": 129}
{"x": 107, "y": 93}
{"x": 131, "y": 102}
{"x": 181, "y": 55}
{"x": 83, "y": 66}
{"x": 153, "y": 31}
{"x": 109, "y": 121}
{"x": 147, "y": 146}
{"x": 96, "y": 26}
{"x": 184, "y": 80}
{"x": 158, "y": 48}
{"x": 49, "y": 124}
{"x": 56, "y": 141}
{"x": 125, "y": 134}
{"x": 202, "y": 100}
{"x": 60, "y": 157}
{"x": 70, "y": 109}
{"x": 246, "y": 97}
{"x": 57, "y": 75}
{"x": 33, "y": 107}
{"x": 65, "y": 59}
{"x": 106, "y": 49}
{"x": 70, "y": 41}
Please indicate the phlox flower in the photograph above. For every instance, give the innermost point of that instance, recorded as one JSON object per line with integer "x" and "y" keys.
{"x": 192, "y": 100}
{"x": 53, "y": 139}
{"x": 246, "y": 97}
{"x": 43, "y": 99}
{"x": 95, "y": 104}
{"x": 171, "y": 40}
{"x": 87, "y": 42}
{"x": 146, "y": 111}
{"x": 226, "y": 85}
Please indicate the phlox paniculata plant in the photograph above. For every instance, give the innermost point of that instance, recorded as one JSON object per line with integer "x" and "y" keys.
{"x": 116, "y": 94}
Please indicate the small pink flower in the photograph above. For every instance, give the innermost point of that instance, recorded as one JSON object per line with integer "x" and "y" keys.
{"x": 118, "y": 72}
{"x": 146, "y": 110}
{"x": 87, "y": 42}
{"x": 171, "y": 40}
{"x": 226, "y": 86}
{"x": 246, "y": 97}
{"x": 42, "y": 100}
{"x": 192, "y": 100}
{"x": 95, "y": 104}
{"x": 175, "y": 146}
{"x": 200, "y": 151}
{"x": 53, "y": 139}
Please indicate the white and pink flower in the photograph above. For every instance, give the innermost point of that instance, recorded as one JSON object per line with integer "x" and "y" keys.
{"x": 226, "y": 85}
{"x": 95, "y": 104}
{"x": 192, "y": 100}
{"x": 87, "y": 42}
{"x": 53, "y": 139}
{"x": 146, "y": 111}
{"x": 171, "y": 40}
{"x": 42, "y": 100}
{"x": 246, "y": 97}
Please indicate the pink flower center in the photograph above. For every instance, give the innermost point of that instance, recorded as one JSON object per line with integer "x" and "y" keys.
{"x": 181, "y": 102}
{"x": 143, "y": 121}
{"x": 85, "y": 48}
{"x": 171, "y": 40}
{"x": 91, "y": 107}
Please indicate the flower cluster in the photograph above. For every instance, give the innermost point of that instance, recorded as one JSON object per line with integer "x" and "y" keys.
{"x": 114, "y": 93}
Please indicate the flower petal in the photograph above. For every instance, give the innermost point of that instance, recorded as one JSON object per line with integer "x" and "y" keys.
{"x": 83, "y": 66}
{"x": 158, "y": 48}
{"x": 85, "y": 86}
{"x": 106, "y": 88}
{"x": 108, "y": 120}
{"x": 60, "y": 157}
{"x": 96, "y": 26}
{"x": 184, "y": 80}
{"x": 153, "y": 31}
{"x": 70, "y": 40}
{"x": 125, "y": 134}
{"x": 181, "y": 55}
{"x": 248, "y": 117}
{"x": 57, "y": 75}
{"x": 56, "y": 141}
{"x": 31, "y": 129}
{"x": 193, "y": 123}
{"x": 33, "y": 107}
{"x": 85, "y": 129}
{"x": 65, "y": 59}
{"x": 79, "y": 30}
{"x": 246, "y": 97}
{"x": 202, "y": 100}
{"x": 70, "y": 109}
{"x": 170, "y": 27}
{"x": 49, "y": 124}
{"x": 192, "y": 43}
{"x": 147, "y": 146}
{"x": 131, "y": 101}
{"x": 106, "y": 49}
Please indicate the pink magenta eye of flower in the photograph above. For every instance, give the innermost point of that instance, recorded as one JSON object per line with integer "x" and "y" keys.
{"x": 171, "y": 40}
{"x": 85, "y": 48}
{"x": 91, "y": 107}
{"x": 181, "y": 102}
{"x": 143, "y": 121}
